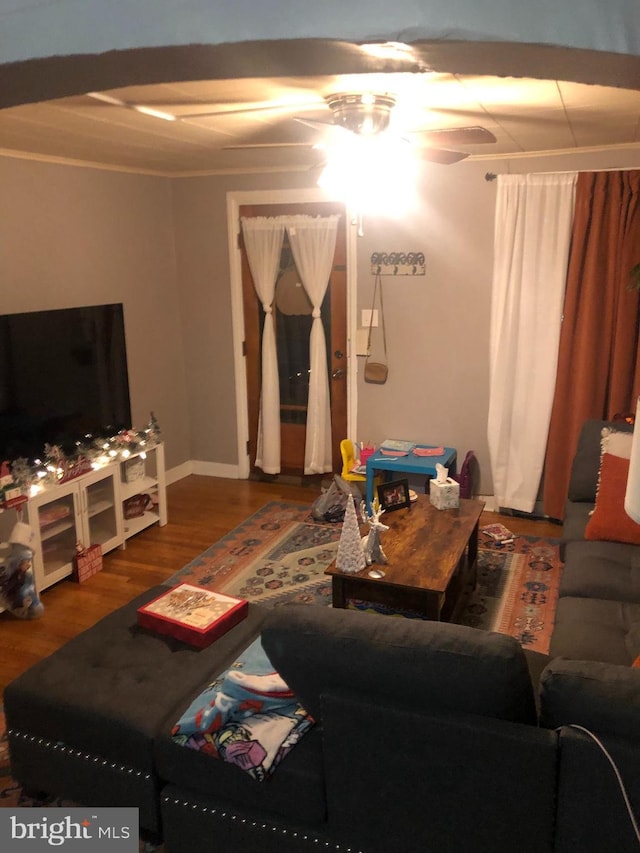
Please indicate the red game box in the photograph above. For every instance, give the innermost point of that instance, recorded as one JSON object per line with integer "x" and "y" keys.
{"x": 86, "y": 562}
{"x": 193, "y": 614}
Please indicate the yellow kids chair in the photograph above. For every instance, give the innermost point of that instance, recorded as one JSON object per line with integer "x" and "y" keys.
{"x": 349, "y": 460}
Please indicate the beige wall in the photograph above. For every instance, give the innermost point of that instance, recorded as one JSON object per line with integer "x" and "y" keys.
{"x": 74, "y": 236}
{"x": 438, "y": 324}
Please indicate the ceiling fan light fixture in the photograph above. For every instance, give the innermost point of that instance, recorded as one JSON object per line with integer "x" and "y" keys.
{"x": 363, "y": 113}
{"x": 376, "y": 175}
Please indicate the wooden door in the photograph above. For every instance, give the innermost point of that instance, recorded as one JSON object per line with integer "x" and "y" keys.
{"x": 293, "y": 326}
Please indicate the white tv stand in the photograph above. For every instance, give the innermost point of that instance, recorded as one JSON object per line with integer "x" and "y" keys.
{"x": 91, "y": 509}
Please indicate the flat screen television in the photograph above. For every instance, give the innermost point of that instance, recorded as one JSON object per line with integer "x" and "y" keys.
{"x": 63, "y": 379}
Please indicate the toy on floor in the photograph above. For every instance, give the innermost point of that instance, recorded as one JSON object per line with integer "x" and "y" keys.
{"x": 17, "y": 588}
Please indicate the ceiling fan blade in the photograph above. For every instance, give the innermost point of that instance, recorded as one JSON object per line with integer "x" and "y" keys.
{"x": 256, "y": 146}
{"x": 456, "y": 136}
{"x": 139, "y": 108}
{"x": 318, "y": 124}
{"x": 442, "y": 156}
{"x": 178, "y": 116}
{"x": 252, "y": 109}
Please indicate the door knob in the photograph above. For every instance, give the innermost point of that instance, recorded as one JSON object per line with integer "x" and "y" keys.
{"x": 338, "y": 373}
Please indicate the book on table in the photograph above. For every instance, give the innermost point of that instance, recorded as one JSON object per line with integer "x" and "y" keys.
{"x": 498, "y": 532}
{"x": 397, "y": 444}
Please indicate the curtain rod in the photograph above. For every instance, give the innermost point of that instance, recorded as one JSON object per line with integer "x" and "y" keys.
{"x": 491, "y": 176}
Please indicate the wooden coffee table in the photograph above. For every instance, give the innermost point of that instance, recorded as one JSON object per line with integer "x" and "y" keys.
{"x": 432, "y": 558}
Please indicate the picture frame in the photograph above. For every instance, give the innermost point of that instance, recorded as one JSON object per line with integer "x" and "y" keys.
{"x": 394, "y": 495}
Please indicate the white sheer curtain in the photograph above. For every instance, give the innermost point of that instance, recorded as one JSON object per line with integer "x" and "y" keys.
{"x": 313, "y": 241}
{"x": 263, "y": 240}
{"x": 533, "y": 221}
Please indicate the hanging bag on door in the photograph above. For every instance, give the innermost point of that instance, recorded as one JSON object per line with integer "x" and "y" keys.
{"x": 376, "y": 372}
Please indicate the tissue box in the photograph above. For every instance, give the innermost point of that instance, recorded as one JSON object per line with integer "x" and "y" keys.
{"x": 134, "y": 470}
{"x": 445, "y": 495}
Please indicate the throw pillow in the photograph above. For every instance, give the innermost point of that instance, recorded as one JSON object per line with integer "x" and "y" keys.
{"x": 609, "y": 521}
{"x": 636, "y": 662}
{"x": 617, "y": 443}
{"x": 586, "y": 462}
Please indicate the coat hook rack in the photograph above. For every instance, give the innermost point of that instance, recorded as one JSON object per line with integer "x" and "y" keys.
{"x": 397, "y": 263}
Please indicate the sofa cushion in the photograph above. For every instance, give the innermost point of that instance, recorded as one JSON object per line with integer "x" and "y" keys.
{"x": 609, "y": 570}
{"x": 596, "y": 630}
{"x": 576, "y": 518}
{"x": 609, "y": 520}
{"x": 603, "y": 698}
{"x": 586, "y": 461}
{"x": 429, "y": 665}
{"x": 591, "y": 810}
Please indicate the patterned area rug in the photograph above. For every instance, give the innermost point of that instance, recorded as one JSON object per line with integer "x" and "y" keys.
{"x": 517, "y": 590}
{"x": 279, "y": 555}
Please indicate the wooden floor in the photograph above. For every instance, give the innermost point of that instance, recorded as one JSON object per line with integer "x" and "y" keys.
{"x": 201, "y": 510}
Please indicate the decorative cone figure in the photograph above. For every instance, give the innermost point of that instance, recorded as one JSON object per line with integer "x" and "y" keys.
{"x": 350, "y": 557}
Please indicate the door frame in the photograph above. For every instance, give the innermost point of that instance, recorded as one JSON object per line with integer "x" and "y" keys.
{"x": 235, "y": 199}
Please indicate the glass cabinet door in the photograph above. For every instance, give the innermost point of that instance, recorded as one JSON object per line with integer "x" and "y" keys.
{"x": 101, "y": 503}
{"x": 56, "y": 524}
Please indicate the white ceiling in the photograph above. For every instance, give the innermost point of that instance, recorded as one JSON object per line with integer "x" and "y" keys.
{"x": 526, "y": 116}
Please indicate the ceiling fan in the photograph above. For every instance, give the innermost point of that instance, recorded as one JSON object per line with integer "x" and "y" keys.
{"x": 365, "y": 114}
{"x": 369, "y": 114}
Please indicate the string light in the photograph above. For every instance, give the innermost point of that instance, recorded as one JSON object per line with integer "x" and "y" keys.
{"x": 97, "y": 452}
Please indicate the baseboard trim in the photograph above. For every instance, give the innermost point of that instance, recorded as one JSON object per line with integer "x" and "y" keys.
{"x": 205, "y": 469}
{"x": 489, "y": 501}
{"x": 232, "y": 472}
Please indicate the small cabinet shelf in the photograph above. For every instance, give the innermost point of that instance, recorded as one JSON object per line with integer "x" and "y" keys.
{"x": 143, "y": 491}
{"x": 91, "y": 509}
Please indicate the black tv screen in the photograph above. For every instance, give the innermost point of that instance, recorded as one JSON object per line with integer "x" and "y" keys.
{"x": 63, "y": 379}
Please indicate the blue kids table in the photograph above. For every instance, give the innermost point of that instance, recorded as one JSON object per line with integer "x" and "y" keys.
{"x": 410, "y": 464}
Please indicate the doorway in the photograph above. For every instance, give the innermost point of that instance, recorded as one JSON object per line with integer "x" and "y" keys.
{"x": 293, "y": 318}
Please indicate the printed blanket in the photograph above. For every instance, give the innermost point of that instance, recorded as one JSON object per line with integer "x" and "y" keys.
{"x": 247, "y": 716}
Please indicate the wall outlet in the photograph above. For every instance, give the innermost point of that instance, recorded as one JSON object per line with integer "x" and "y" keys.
{"x": 366, "y": 317}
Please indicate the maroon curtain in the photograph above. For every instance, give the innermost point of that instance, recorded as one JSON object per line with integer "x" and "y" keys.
{"x": 598, "y": 372}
